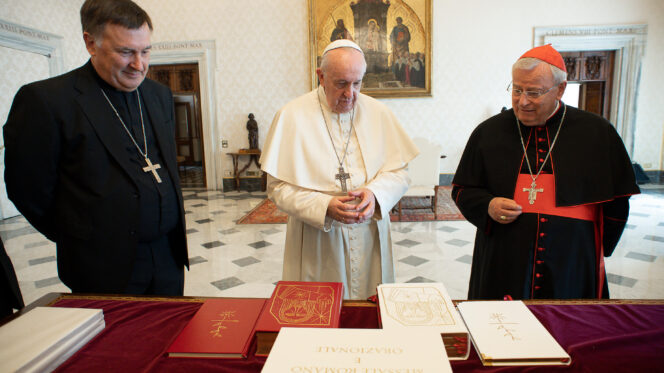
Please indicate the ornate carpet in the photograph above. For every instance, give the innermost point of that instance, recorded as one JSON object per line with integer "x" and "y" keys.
{"x": 412, "y": 209}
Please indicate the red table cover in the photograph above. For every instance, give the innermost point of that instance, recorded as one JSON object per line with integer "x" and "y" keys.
{"x": 600, "y": 337}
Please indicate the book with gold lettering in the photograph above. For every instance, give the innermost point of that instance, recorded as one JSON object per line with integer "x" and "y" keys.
{"x": 357, "y": 350}
{"x": 507, "y": 333}
{"x": 298, "y": 304}
{"x": 221, "y": 328}
{"x": 424, "y": 306}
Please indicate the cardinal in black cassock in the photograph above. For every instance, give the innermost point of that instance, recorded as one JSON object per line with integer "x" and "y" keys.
{"x": 544, "y": 221}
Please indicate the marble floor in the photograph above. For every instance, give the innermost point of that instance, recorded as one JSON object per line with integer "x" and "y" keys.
{"x": 245, "y": 260}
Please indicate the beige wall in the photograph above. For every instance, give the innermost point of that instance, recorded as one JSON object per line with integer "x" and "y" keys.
{"x": 262, "y": 59}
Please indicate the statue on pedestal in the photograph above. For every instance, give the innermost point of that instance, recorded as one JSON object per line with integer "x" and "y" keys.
{"x": 252, "y": 127}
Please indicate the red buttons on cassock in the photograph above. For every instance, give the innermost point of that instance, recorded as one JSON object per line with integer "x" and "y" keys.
{"x": 540, "y": 249}
{"x": 543, "y": 220}
{"x": 542, "y": 234}
{"x": 541, "y": 150}
{"x": 537, "y": 287}
{"x": 538, "y": 275}
{"x": 539, "y": 261}
{"x": 541, "y": 159}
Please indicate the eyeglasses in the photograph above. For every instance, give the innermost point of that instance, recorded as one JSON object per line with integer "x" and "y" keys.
{"x": 531, "y": 95}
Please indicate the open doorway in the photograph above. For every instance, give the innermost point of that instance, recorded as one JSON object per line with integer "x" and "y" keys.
{"x": 183, "y": 80}
{"x": 589, "y": 77}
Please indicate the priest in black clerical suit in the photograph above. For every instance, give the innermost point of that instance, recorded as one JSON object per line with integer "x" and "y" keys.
{"x": 546, "y": 220}
{"x": 90, "y": 162}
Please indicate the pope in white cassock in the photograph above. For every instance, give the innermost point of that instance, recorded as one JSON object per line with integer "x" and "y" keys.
{"x": 336, "y": 160}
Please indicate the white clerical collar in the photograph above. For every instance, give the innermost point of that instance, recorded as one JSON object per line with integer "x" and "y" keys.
{"x": 554, "y": 111}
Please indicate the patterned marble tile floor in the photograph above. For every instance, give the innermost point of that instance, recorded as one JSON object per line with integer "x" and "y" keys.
{"x": 245, "y": 260}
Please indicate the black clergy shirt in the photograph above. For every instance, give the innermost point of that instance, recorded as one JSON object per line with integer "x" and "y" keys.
{"x": 159, "y": 212}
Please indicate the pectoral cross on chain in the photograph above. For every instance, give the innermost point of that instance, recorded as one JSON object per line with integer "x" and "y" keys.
{"x": 152, "y": 168}
{"x": 342, "y": 177}
{"x": 532, "y": 192}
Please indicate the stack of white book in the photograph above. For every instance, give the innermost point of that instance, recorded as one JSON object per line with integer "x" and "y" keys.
{"x": 425, "y": 306}
{"x": 43, "y": 338}
{"x": 507, "y": 333}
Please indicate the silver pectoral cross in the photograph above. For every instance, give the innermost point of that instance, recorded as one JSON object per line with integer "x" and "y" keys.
{"x": 532, "y": 192}
{"x": 342, "y": 177}
{"x": 152, "y": 168}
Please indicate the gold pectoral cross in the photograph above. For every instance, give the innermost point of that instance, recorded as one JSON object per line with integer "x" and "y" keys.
{"x": 342, "y": 177}
{"x": 152, "y": 168}
{"x": 532, "y": 192}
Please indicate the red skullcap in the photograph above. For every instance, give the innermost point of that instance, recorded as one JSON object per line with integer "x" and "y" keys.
{"x": 547, "y": 54}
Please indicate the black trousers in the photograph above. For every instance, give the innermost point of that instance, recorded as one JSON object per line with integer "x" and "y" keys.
{"x": 155, "y": 270}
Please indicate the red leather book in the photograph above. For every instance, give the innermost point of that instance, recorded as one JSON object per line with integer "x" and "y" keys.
{"x": 298, "y": 304}
{"x": 221, "y": 328}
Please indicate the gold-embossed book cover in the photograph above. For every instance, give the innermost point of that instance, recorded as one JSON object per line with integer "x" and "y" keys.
{"x": 221, "y": 328}
{"x": 507, "y": 333}
{"x": 298, "y": 304}
{"x": 424, "y": 306}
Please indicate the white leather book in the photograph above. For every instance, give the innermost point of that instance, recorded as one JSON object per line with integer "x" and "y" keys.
{"x": 424, "y": 306}
{"x": 45, "y": 337}
{"x": 507, "y": 333}
{"x": 356, "y": 350}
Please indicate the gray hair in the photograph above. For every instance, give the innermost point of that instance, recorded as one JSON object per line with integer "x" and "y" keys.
{"x": 530, "y": 63}
{"x": 95, "y": 14}
{"x": 325, "y": 61}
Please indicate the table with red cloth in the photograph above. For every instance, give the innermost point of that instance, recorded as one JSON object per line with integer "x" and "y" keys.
{"x": 599, "y": 335}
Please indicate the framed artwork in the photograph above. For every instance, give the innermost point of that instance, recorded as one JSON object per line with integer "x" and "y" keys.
{"x": 395, "y": 36}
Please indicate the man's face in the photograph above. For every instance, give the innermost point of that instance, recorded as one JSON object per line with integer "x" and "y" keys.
{"x": 534, "y": 112}
{"x": 120, "y": 56}
{"x": 342, "y": 79}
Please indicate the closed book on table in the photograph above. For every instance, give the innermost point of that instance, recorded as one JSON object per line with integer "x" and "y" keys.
{"x": 44, "y": 337}
{"x": 424, "y": 306}
{"x": 357, "y": 350}
{"x": 507, "y": 333}
{"x": 221, "y": 328}
{"x": 298, "y": 304}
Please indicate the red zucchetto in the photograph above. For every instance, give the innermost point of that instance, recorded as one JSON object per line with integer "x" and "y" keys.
{"x": 547, "y": 54}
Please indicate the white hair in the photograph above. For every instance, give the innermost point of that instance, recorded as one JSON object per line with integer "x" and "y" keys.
{"x": 529, "y": 63}
{"x": 324, "y": 62}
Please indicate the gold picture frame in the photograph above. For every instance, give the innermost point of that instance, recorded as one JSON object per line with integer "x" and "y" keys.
{"x": 395, "y": 36}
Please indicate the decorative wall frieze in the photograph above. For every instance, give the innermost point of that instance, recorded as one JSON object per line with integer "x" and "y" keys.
{"x": 36, "y": 41}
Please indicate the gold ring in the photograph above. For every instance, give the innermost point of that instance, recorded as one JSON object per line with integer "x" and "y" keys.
{"x": 503, "y": 217}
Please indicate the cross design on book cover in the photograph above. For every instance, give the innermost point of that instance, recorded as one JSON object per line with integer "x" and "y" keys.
{"x": 303, "y": 305}
{"x": 504, "y": 326}
{"x": 220, "y": 324}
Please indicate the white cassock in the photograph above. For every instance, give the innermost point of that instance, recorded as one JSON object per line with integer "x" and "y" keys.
{"x": 299, "y": 157}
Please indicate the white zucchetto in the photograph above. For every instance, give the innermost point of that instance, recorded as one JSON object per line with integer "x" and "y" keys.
{"x": 341, "y": 43}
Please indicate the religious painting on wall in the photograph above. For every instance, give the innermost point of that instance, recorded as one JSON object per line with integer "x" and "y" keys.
{"x": 395, "y": 36}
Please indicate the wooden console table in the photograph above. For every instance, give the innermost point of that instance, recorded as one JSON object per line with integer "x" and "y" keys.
{"x": 253, "y": 157}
